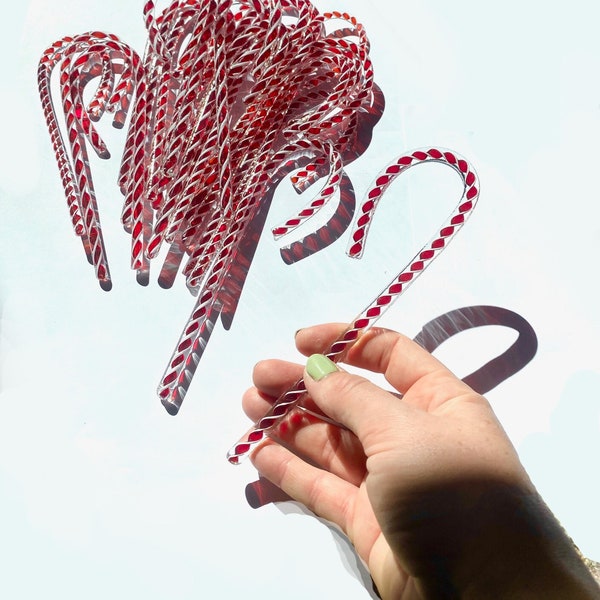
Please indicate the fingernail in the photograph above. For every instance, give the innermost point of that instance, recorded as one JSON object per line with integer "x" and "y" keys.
{"x": 318, "y": 366}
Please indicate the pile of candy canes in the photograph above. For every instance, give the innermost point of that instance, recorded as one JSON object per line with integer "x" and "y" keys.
{"x": 228, "y": 99}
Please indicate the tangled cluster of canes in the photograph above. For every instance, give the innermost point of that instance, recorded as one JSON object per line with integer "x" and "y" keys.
{"x": 229, "y": 98}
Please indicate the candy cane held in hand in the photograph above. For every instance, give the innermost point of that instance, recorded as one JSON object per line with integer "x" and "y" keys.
{"x": 289, "y": 399}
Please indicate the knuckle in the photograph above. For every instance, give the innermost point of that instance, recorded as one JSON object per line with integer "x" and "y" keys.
{"x": 344, "y": 384}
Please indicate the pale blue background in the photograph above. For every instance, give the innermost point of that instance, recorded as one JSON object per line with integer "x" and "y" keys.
{"x": 104, "y": 495}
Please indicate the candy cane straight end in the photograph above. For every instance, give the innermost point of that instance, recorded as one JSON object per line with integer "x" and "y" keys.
{"x": 170, "y": 399}
{"x": 105, "y": 284}
{"x": 171, "y": 407}
{"x": 234, "y": 458}
{"x": 142, "y": 278}
{"x": 239, "y": 453}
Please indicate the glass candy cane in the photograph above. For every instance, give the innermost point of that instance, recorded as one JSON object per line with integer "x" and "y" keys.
{"x": 366, "y": 319}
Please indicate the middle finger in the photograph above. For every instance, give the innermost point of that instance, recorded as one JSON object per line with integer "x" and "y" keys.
{"x": 321, "y": 443}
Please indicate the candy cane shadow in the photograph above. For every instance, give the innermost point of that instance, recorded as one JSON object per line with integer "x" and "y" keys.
{"x": 500, "y": 368}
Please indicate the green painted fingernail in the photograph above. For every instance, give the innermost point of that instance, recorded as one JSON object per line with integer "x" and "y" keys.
{"x": 318, "y": 366}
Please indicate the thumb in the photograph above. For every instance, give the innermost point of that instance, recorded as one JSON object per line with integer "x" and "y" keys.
{"x": 353, "y": 401}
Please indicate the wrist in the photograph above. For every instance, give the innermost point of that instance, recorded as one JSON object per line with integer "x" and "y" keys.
{"x": 518, "y": 549}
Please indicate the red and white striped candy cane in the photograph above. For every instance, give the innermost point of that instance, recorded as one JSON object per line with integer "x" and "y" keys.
{"x": 289, "y": 399}
{"x": 51, "y": 57}
{"x": 81, "y": 58}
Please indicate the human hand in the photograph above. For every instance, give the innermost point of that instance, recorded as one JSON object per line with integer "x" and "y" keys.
{"x": 428, "y": 487}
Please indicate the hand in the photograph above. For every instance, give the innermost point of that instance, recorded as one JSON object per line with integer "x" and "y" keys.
{"x": 427, "y": 487}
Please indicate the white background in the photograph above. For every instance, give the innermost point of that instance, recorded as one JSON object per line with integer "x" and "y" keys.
{"x": 105, "y": 495}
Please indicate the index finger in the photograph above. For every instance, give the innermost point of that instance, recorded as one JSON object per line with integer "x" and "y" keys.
{"x": 401, "y": 360}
